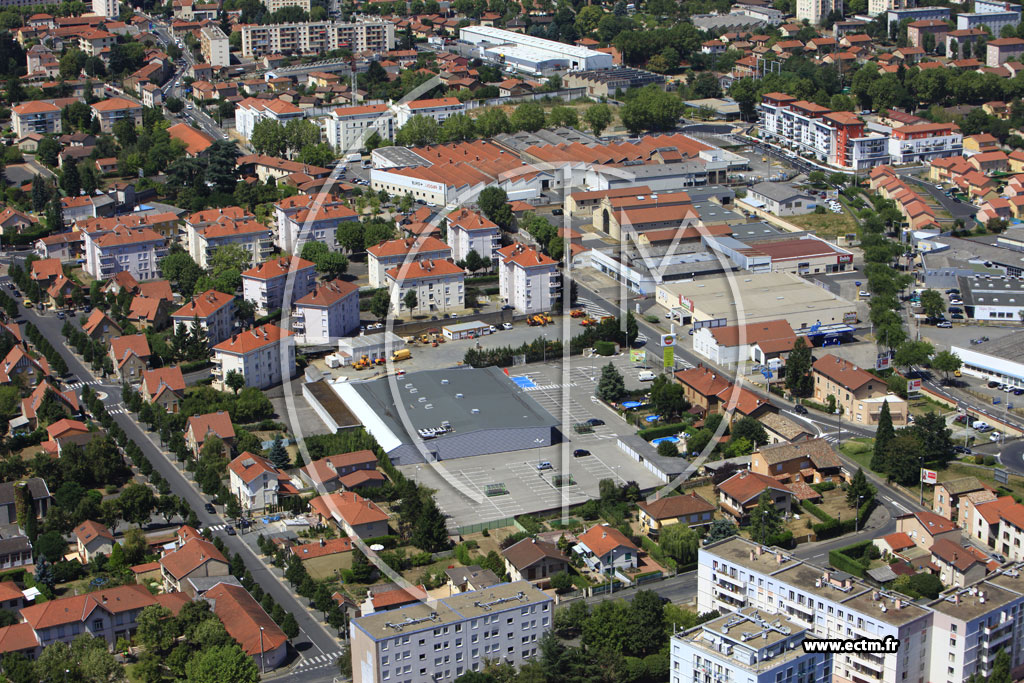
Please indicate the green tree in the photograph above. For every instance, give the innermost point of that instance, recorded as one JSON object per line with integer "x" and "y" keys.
{"x": 493, "y": 201}
{"x": 290, "y": 626}
{"x": 235, "y": 381}
{"x": 269, "y": 137}
{"x": 410, "y": 300}
{"x": 380, "y": 304}
{"x": 40, "y": 193}
{"x": 597, "y": 117}
{"x": 911, "y": 353}
{"x": 798, "y": 369}
{"x": 749, "y": 428}
{"x": 884, "y": 435}
{"x": 947, "y": 363}
{"x": 563, "y": 116}
{"x": 430, "y": 531}
{"x": 610, "y": 387}
{"x": 720, "y": 529}
{"x": 905, "y": 454}
{"x": 932, "y": 303}
{"x": 222, "y": 663}
{"x": 859, "y": 488}
{"x": 51, "y": 545}
{"x": 765, "y": 519}
{"x": 278, "y": 455}
{"x": 157, "y": 629}
{"x": 647, "y": 614}
{"x": 679, "y": 542}
{"x": 528, "y": 116}
{"x": 492, "y": 122}
{"x": 418, "y": 131}
{"x": 651, "y": 109}
{"x": 668, "y": 449}
{"x": 561, "y": 582}
{"x": 362, "y": 570}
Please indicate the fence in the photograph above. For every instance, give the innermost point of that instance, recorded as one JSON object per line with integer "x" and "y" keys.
{"x": 648, "y": 578}
{"x": 610, "y": 587}
{"x": 480, "y": 526}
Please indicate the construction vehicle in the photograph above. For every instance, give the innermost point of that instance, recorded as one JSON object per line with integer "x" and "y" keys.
{"x": 380, "y": 361}
{"x": 578, "y": 313}
{"x": 588, "y": 321}
{"x": 401, "y": 354}
{"x": 607, "y": 318}
{"x": 547, "y": 318}
{"x": 362, "y": 363}
{"x": 532, "y": 321}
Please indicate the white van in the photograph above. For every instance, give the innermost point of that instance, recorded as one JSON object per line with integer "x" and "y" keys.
{"x": 646, "y": 376}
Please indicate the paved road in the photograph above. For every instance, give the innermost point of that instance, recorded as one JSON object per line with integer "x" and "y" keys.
{"x": 315, "y": 640}
{"x": 678, "y": 589}
{"x": 957, "y": 209}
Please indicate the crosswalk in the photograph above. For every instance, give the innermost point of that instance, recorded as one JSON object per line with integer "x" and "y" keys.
{"x": 548, "y": 387}
{"x": 319, "y": 661}
{"x": 595, "y": 311}
{"x": 79, "y": 385}
{"x": 117, "y": 411}
{"x": 217, "y": 527}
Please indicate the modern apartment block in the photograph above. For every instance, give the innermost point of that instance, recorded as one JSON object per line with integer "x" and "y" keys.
{"x": 439, "y": 286}
{"x": 37, "y": 117}
{"x": 106, "y": 8}
{"x": 328, "y": 312}
{"x": 215, "y": 312}
{"x": 472, "y": 231}
{"x": 876, "y": 7}
{"x": 438, "y": 109}
{"x": 251, "y": 111}
{"x": 382, "y": 257}
{"x": 815, "y": 11}
{"x": 923, "y": 142}
{"x": 136, "y": 250}
{"x": 749, "y": 646}
{"x": 274, "y": 5}
{"x": 836, "y": 138}
{"x": 247, "y": 233}
{"x": 737, "y": 573}
{"x": 112, "y": 110}
{"x": 528, "y": 280}
{"x": 316, "y": 37}
{"x": 264, "y": 285}
{"x": 347, "y": 127}
{"x": 442, "y": 640}
{"x": 214, "y": 45}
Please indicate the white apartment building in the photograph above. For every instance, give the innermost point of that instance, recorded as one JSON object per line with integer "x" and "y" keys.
{"x": 215, "y": 312}
{"x": 274, "y": 5}
{"x": 925, "y": 142}
{"x": 472, "y": 231}
{"x": 249, "y": 234}
{"x": 316, "y": 37}
{"x": 214, "y": 45}
{"x": 313, "y": 224}
{"x": 348, "y": 127}
{"x": 815, "y": 11}
{"x": 264, "y": 355}
{"x": 106, "y": 8}
{"x": 328, "y": 312}
{"x": 37, "y": 117}
{"x": 264, "y": 284}
{"x": 443, "y": 640}
{"x": 737, "y": 573}
{"x": 528, "y": 280}
{"x": 439, "y": 286}
{"x": 135, "y": 250}
{"x": 112, "y": 110}
{"x": 438, "y": 109}
{"x": 876, "y": 7}
{"x": 255, "y": 482}
{"x": 835, "y": 138}
{"x": 749, "y": 647}
{"x": 251, "y": 111}
{"x": 383, "y": 257}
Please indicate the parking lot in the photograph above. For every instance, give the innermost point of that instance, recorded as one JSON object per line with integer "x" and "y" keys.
{"x": 567, "y": 392}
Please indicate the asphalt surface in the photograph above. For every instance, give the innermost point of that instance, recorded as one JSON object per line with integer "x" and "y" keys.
{"x": 956, "y": 209}
{"x": 314, "y": 641}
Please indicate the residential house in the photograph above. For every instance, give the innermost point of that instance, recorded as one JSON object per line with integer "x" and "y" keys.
{"x": 947, "y": 495}
{"x": 470, "y": 578}
{"x": 100, "y": 326}
{"x": 534, "y": 560}
{"x": 1010, "y": 541}
{"x": 215, "y": 312}
{"x": 390, "y": 596}
{"x": 322, "y": 558}
{"x": 39, "y": 117}
{"x": 46, "y": 271}
{"x": 196, "y": 142}
{"x": 857, "y": 393}
{"x": 164, "y": 387}
{"x": 606, "y": 550}
{"x": 249, "y": 625}
{"x": 738, "y": 495}
{"x": 813, "y": 461}
{"x": 960, "y": 566}
{"x": 256, "y": 483}
{"x": 710, "y": 392}
{"x": 256, "y": 354}
{"x": 92, "y": 538}
{"x": 12, "y": 220}
{"x": 892, "y": 544}
{"x": 130, "y": 354}
{"x": 196, "y": 557}
{"x": 344, "y": 470}
{"x": 982, "y": 517}
{"x": 925, "y": 528}
{"x": 472, "y": 231}
{"x": 689, "y": 509}
{"x": 68, "y": 400}
{"x": 65, "y": 246}
{"x": 349, "y": 510}
{"x": 19, "y": 366}
{"x": 37, "y": 492}
{"x": 199, "y": 428}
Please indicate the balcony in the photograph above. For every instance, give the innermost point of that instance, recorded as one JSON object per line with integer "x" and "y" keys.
{"x": 728, "y": 599}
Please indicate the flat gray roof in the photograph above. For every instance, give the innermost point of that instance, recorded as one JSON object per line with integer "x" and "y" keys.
{"x": 778, "y": 192}
{"x": 402, "y": 156}
{"x": 1010, "y": 347}
{"x": 991, "y": 291}
{"x": 469, "y": 399}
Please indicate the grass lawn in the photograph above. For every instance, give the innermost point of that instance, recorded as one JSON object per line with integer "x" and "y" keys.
{"x": 827, "y": 224}
{"x": 955, "y": 470}
{"x": 859, "y": 450}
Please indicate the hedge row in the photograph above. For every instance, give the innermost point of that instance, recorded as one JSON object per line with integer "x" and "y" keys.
{"x": 824, "y": 486}
{"x": 662, "y": 430}
{"x": 844, "y": 562}
{"x": 815, "y": 510}
{"x": 833, "y": 527}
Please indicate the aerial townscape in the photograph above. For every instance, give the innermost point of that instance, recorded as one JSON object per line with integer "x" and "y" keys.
{"x": 667, "y": 341}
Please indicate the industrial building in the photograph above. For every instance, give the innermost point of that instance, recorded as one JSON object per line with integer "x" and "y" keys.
{"x": 608, "y": 82}
{"x": 529, "y": 54}
{"x": 992, "y": 298}
{"x": 729, "y": 299}
{"x": 449, "y": 413}
{"x": 1001, "y": 360}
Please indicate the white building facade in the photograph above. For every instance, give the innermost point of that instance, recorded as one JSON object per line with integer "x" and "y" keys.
{"x": 472, "y": 231}
{"x": 528, "y": 280}
{"x": 328, "y": 312}
{"x": 439, "y": 287}
{"x": 135, "y": 250}
{"x": 347, "y": 128}
{"x": 264, "y": 285}
{"x": 264, "y": 355}
{"x": 393, "y": 253}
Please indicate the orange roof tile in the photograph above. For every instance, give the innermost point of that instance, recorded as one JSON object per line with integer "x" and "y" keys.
{"x": 250, "y": 340}
{"x": 190, "y": 556}
{"x": 277, "y": 267}
{"x": 601, "y": 540}
{"x": 745, "y": 486}
{"x": 351, "y": 507}
{"x": 245, "y": 620}
{"x": 204, "y": 305}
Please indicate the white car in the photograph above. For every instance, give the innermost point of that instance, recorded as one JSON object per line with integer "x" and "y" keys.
{"x": 646, "y": 376}
{"x": 938, "y": 187}
{"x": 506, "y": 326}
{"x": 863, "y": 293}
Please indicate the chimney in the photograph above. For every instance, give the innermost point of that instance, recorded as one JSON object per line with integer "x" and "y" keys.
{"x": 778, "y": 558}
{"x": 751, "y": 554}
{"x": 899, "y": 604}
{"x": 956, "y": 599}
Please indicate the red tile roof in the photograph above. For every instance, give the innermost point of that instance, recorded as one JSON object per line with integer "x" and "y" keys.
{"x": 78, "y": 608}
{"x": 251, "y": 340}
{"x": 218, "y": 423}
{"x": 426, "y": 268}
{"x": 204, "y": 305}
{"x": 322, "y": 548}
{"x": 898, "y": 541}
{"x": 351, "y": 507}
{"x": 248, "y": 466}
{"x": 601, "y": 540}
{"x": 169, "y": 377}
{"x": 277, "y": 267}
{"x": 328, "y": 293}
{"x": 122, "y": 347}
{"x": 400, "y": 247}
{"x": 745, "y": 486}
{"x": 843, "y": 372}
{"x": 189, "y": 557}
{"x": 670, "y": 507}
{"x": 245, "y": 620}
{"x": 196, "y": 141}
{"x": 18, "y": 637}
{"x": 90, "y": 530}
{"x": 703, "y": 380}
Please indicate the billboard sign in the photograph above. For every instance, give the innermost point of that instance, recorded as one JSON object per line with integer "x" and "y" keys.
{"x": 883, "y": 362}
{"x": 668, "y": 340}
{"x": 913, "y": 386}
{"x": 929, "y": 476}
{"x": 637, "y": 355}
{"x": 669, "y": 358}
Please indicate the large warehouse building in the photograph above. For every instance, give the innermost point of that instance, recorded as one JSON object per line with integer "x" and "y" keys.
{"x": 454, "y": 413}
{"x": 1001, "y": 360}
{"x": 530, "y": 54}
{"x": 710, "y": 302}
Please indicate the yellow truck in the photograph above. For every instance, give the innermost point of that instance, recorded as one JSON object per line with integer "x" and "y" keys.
{"x": 401, "y": 354}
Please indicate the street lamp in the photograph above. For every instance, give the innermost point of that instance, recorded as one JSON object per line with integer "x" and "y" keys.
{"x": 263, "y": 665}
{"x": 857, "y": 514}
{"x": 921, "y": 477}
{"x": 544, "y": 344}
